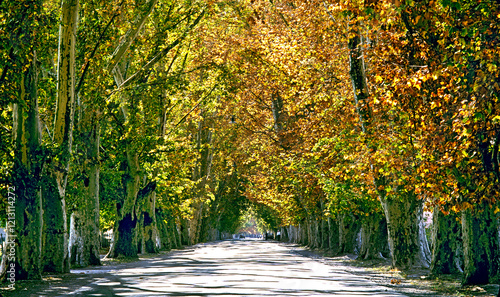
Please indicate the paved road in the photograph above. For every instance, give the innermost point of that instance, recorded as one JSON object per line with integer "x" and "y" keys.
{"x": 227, "y": 268}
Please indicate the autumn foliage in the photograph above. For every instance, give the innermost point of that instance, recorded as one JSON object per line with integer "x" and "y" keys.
{"x": 331, "y": 119}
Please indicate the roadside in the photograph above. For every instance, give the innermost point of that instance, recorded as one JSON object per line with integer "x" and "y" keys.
{"x": 414, "y": 283}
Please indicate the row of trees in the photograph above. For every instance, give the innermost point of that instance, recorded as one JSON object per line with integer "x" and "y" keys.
{"x": 164, "y": 119}
{"x": 107, "y": 121}
{"x": 356, "y": 116}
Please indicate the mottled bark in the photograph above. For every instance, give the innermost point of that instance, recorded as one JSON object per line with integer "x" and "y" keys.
{"x": 323, "y": 234}
{"x": 166, "y": 237}
{"x": 403, "y": 225}
{"x": 303, "y": 234}
{"x": 374, "y": 242}
{"x": 26, "y": 175}
{"x": 55, "y": 256}
{"x": 333, "y": 236}
{"x": 76, "y": 241}
{"x": 55, "y": 240}
{"x": 284, "y": 234}
{"x": 149, "y": 238}
{"x": 129, "y": 37}
{"x": 446, "y": 239}
{"x": 176, "y": 232}
{"x": 312, "y": 233}
{"x": 480, "y": 242}
{"x": 201, "y": 174}
{"x": 292, "y": 233}
{"x": 184, "y": 232}
{"x": 125, "y": 233}
{"x": 91, "y": 223}
{"x": 349, "y": 229}
{"x": 84, "y": 241}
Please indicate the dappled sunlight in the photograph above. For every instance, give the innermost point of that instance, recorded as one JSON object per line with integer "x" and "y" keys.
{"x": 226, "y": 268}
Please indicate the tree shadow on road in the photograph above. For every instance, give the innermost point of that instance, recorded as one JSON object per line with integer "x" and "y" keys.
{"x": 227, "y": 268}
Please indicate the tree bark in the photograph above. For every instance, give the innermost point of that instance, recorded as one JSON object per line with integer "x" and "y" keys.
{"x": 333, "y": 236}
{"x": 84, "y": 242}
{"x": 176, "y": 232}
{"x": 446, "y": 234}
{"x": 55, "y": 256}
{"x": 184, "y": 232}
{"x": 76, "y": 243}
{"x": 131, "y": 34}
{"x": 480, "y": 241}
{"x": 26, "y": 176}
{"x": 323, "y": 234}
{"x": 125, "y": 233}
{"x": 374, "y": 242}
{"x": 403, "y": 225}
{"x": 166, "y": 236}
{"x": 55, "y": 241}
{"x": 149, "y": 237}
{"x": 349, "y": 229}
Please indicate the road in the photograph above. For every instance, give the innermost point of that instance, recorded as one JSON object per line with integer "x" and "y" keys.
{"x": 226, "y": 268}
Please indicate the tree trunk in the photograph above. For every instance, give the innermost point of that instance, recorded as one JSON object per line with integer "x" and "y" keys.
{"x": 195, "y": 223}
{"x": 480, "y": 241}
{"x": 292, "y": 234}
{"x": 55, "y": 256}
{"x": 348, "y": 231}
{"x": 128, "y": 38}
{"x": 284, "y": 234}
{"x": 403, "y": 217}
{"x": 149, "y": 236}
{"x": 323, "y": 231}
{"x": 176, "y": 231}
{"x": 26, "y": 228}
{"x": 166, "y": 240}
{"x": 84, "y": 241}
{"x": 446, "y": 234}
{"x": 333, "y": 236}
{"x": 184, "y": 232}
{"x": 312, "y": 233}
{"x": 124, "y": 232}
{"x": 374, "y": 242}
{"x": 403, "y": 214}
{"x": 55, "y": 241}
{"x": 91, "y": 240}
{"x": 76, "y": 241}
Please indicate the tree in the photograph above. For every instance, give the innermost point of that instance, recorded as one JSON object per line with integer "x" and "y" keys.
{"x": 55, "y": 242}
{"x": 19, "y": 83}
{"x": 129, "y": 105}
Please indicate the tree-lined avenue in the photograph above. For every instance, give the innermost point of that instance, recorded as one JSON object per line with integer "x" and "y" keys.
{"x": 224, "y": 268}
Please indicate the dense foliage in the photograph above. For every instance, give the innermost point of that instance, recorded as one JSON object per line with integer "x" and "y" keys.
{"x": 324, "y": 119}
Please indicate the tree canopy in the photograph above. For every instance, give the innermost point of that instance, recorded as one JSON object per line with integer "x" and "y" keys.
{"x": 169, "y": 121}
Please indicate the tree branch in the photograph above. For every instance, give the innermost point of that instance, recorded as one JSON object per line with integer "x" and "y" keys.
{"x": 192, "y": 109}
{"x": 161, "y": 54}
{"x": 131, "y": 35}
{"x": 98, "y": 43}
